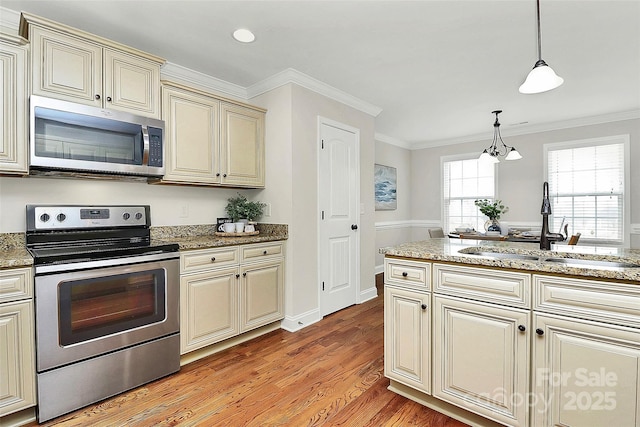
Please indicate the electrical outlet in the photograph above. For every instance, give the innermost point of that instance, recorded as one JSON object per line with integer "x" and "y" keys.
{"x": 267, "y": 209}
{"x": 184, "y": 211}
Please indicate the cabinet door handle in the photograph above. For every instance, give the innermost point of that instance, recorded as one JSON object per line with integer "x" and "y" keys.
{"x": 237, "y": 275}
{"x": 108, "y": 99}
{"x": 405, "y": 274}
{"x": 539, "y": 331}
{"x": 97, "y": 96}
{"x": 218, "y": 174}
{"x": 244, "y": 274}
{"x": 213, "y": 259}
{"x": 522, "y": 328}
{"x": 224, "y": 175}
{"x": 424, "y": 306}
{"x": 264, "y": 252}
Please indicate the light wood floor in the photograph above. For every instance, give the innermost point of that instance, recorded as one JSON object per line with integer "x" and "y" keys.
{"x": 327, "y": 374}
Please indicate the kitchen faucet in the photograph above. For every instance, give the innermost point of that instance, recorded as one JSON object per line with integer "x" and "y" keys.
{"x": 545, "y": 237}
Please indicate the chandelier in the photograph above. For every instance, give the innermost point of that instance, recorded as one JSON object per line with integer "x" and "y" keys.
{"x": 498, "y": 148}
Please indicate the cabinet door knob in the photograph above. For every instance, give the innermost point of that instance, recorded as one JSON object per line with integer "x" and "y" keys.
{"x": 224, "y": 175}
{"x": 539, "y": 331}
{"x": 522, "y": 328}
{"x": 237, "y": 275}
{"x": 97, "y": 96}
{"x": 424, "y": 306}
{"x": 244, "y": 274}
{"x": 218, "y": 174}
{"x": 108, "y": 99}
{"x": 213, "y": 259}
{"x": 264, "y": 252}
{"x": 405, "y": 274}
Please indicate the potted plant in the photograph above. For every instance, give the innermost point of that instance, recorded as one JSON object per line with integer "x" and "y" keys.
{"x": 239, "y": 208}
{"x": 492, "y": 209}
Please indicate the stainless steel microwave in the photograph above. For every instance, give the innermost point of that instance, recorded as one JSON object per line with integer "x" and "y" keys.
{"x": 75, "y": 137}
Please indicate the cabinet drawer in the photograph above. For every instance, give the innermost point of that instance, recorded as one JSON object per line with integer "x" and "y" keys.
{"x": 497, "y": 286}
{"x": 260, "y": 251}
{"x": 16, "y": 284}
{"x": 416, "y": 274}
{"x": 589, "y": 299}
{"x": 207, "y": 258}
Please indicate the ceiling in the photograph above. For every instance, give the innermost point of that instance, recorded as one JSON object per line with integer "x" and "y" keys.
{"x": 436, "y": 69}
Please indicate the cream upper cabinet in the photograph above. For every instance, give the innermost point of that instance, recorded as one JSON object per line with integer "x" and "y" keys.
{"x": 17, "y": 354}
{"x": 14, "y": 116}
{"x": 211, "y": 141}
{"x": 242, "y": 145}
{"x": 585, "y": 373}
{"x": 75, "y": 66}
{"x": 481, "y": 360}
{"x": 191, "y": 128}
{"x": 407, "y": 337}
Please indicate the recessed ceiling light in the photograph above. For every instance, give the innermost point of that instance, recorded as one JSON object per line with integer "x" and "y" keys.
{"x": 243, "y": 35}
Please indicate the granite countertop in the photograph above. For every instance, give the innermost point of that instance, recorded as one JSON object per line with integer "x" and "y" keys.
{"x": 449, "y": 250}
{"x": 14, "y": 254}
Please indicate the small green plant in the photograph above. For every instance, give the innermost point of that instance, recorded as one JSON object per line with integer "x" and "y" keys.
{"x": 491, "y": 209}
{"x": 241, "y": 208}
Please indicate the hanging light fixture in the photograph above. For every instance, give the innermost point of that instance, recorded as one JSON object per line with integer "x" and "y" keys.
{"x": 498, "y": 147}
{"x": 542, "y": 78}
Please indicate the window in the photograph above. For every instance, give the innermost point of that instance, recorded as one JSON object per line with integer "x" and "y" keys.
{"x": 464, "y": 181}
{"x": 587, "y": 182}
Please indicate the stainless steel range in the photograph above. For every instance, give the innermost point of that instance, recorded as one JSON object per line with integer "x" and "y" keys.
{"x": 107, "y": 303}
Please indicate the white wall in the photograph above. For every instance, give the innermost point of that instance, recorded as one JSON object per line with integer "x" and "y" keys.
{"x": 519, "y": 182}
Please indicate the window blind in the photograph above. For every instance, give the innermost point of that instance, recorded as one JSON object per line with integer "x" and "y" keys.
{"x": 464, "y": 181}
{"x": 586, "y": 184}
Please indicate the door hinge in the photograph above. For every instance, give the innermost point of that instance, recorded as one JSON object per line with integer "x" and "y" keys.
{"x": 322, "y": 215}
{"x": 323, "y": 286}
{"x": 322, "y": 140}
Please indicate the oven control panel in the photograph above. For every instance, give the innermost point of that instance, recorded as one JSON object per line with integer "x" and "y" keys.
{"x": 52, "y": 217}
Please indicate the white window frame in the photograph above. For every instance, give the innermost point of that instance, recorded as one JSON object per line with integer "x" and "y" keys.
{"x": 453, "y": 158}
{"x": 626, "y": 209}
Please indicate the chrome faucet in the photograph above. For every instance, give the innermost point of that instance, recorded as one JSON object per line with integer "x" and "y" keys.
{"x": 545, "y": 237}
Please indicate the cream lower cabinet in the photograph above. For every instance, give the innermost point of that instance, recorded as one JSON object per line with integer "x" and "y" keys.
{"x": 481, "y": 358}
{"x": 227, "y": 291}
{"x": 407, "y": 337}
{"x": 17, "y": 352}
{"x": 13, "y": 114}
{"x": 75, "y": 66}
{"x": 211, "y": 141}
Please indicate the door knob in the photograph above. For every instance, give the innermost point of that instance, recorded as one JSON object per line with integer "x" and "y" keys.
{"x": 354, "y": 226}
{"x": 522, "y": 328}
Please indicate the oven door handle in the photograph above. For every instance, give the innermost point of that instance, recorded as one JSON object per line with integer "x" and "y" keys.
{"x": 111, "y": 262}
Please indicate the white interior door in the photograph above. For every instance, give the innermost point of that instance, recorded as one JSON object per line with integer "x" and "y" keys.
{"x": 339, "y": 251}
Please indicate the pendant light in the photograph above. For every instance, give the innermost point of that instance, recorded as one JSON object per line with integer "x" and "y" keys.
{"x": 542, "y": 78}
{"x": 495, "y": 150}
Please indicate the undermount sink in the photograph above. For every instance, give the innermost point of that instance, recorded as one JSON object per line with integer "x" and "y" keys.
{"x": 589, "y": 263}
{"x": 503, "y": 255}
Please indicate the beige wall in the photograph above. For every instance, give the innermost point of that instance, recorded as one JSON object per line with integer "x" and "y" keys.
{"x": 297, "y": 191}
{"x": 394, "y": 226}
{"x": 520, "y": 182}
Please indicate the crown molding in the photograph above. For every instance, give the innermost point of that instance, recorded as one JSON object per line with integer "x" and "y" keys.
{"x": 291, "y": 75}
{"x": 9, "y": 21}
{"x": 535, "y": 128}
{"x": 392, "y": 141}
{"x": 180, "y": 74}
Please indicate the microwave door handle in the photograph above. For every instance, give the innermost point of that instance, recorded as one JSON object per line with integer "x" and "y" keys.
{"x": 145, "y": 145}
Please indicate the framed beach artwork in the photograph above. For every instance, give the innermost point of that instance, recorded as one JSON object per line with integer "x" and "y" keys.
{"x": 385, "y": 180}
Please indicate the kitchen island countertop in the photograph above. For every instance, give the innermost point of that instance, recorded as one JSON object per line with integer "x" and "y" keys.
{"x": 448, "y": 250}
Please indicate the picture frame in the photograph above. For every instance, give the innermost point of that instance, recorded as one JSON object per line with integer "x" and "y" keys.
{"x": 385, "y": 182}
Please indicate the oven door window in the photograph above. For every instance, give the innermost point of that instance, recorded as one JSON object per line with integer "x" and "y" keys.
{"x": 96, "y": 307}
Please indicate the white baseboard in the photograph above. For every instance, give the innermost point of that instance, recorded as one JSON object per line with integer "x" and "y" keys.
{"x": 295, "y": 323}
{"x": 368, "y": 294}
{"x": 379, "y": 269}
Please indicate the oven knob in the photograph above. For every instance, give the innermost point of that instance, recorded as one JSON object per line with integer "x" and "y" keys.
{"x": 44, "y": 217}
{"x": 126, "y": 216}
{"x": 61, "y": 217}
{"x": 138, "y": 216}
